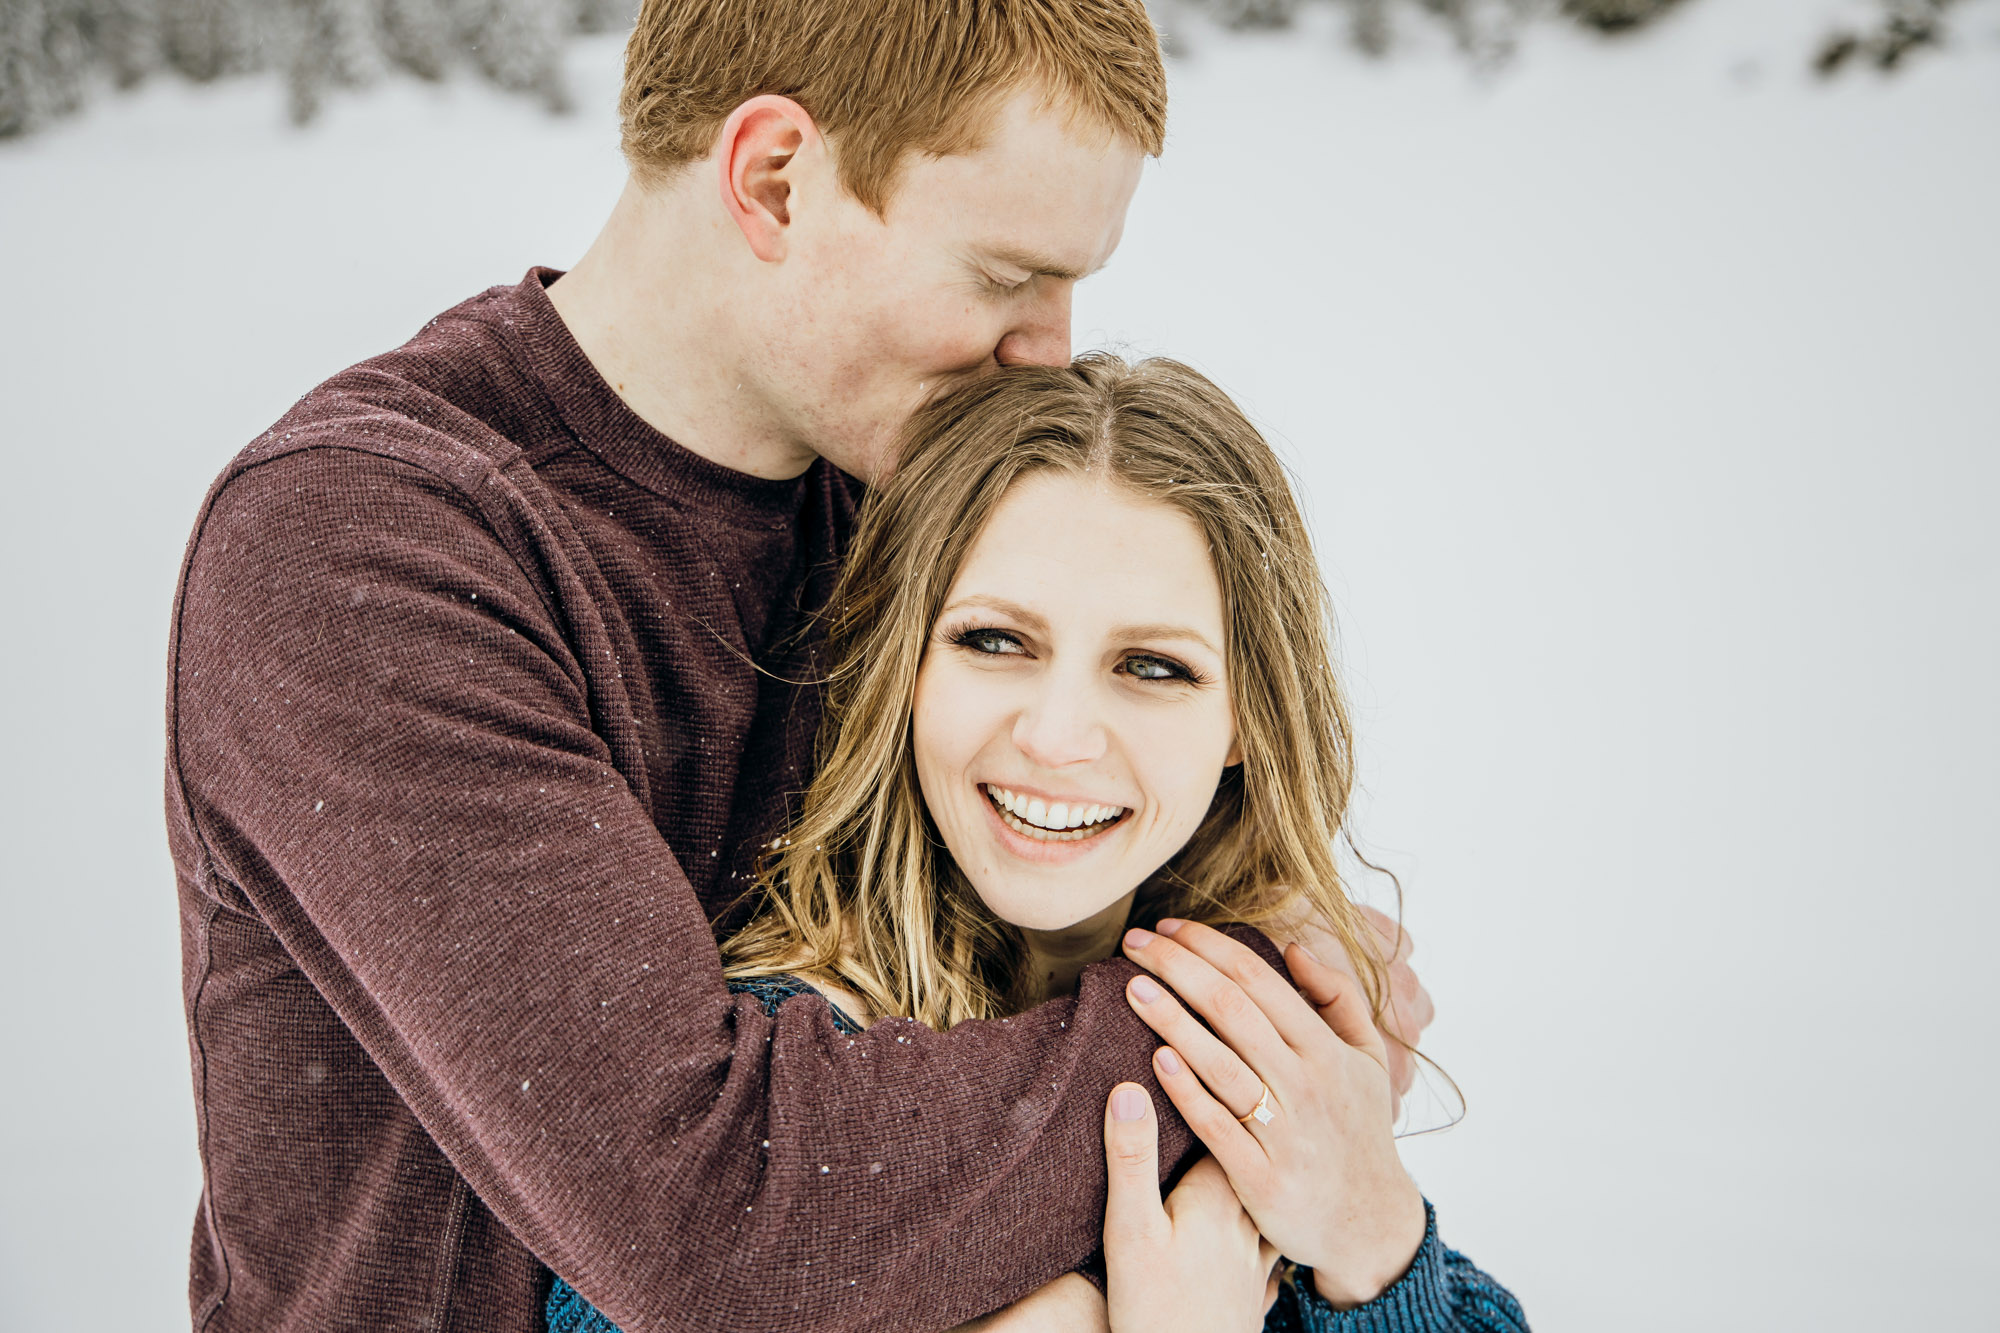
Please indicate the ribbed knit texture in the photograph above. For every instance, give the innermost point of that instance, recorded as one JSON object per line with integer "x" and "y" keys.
{"x": 567, "y": 1311}
{"x": 1443, "y": 1292}
{"x": 468, "y": 760}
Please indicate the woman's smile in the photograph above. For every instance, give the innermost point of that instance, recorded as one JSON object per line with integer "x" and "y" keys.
{"x": 1052, "y": 820}
{"x": 1024, "y": 845}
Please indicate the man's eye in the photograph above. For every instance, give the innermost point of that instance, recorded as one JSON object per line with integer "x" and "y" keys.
{"x": 994, "y": 642}
{"x": 1154, "y": 668}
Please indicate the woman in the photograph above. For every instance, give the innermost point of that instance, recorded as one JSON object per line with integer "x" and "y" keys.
{"x": 1083, "y": 695}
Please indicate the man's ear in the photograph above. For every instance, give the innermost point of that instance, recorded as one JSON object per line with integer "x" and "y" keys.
{"x": 757, "y": 159}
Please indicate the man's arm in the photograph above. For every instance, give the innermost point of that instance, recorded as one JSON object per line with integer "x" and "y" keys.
{"x": 1067, "y": 1305}
{"x": 391, "y": 739}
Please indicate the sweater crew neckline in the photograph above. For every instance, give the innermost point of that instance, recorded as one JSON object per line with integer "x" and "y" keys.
{"x": 605, "y": 424}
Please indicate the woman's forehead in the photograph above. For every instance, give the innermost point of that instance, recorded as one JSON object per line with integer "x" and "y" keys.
{"x": 1085, "y": 548}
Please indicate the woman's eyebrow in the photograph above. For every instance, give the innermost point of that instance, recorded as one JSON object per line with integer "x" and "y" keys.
{"x": 1183, "y": 632}
{"x": 1036, "y": 623}
{"x": 1012, "y": 610}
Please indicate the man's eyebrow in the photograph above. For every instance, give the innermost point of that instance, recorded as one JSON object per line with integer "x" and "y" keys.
{"x": 1040, "y": 265}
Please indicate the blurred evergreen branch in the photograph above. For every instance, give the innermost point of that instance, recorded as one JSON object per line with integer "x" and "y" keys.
{"x": 1482, "y": 28}
{"x": 1487, "y": 29}
{"x": 1905, "y": 26}
{"x": 54, "y": 53}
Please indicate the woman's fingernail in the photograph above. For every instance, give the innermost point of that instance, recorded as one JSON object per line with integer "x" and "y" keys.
{"x": 1128, "y": 1104}
{"x": 1307, "y": 952}
{"x": 1138, "y": 939}
{"x": 1146, "y": 989}
{"x": 1168, "y": 926}
{"x": 1169, "y": 1062}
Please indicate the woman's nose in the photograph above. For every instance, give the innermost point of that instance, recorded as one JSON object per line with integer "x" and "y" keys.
{"x": 1060, "y": 726}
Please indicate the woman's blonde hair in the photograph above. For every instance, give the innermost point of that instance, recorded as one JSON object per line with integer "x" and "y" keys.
{"x": 861, "y": 890}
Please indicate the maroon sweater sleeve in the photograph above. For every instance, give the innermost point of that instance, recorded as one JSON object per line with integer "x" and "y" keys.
{"x": 390, "y": 750}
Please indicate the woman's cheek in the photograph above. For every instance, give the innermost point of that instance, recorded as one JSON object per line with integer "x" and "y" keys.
{"x": 947, "y": 729}
{"x": 1189, "y": 762}
{"x": 929, "y": 738}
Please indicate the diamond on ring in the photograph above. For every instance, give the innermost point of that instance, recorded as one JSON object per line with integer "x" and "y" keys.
{"x": 1261, "y": 1112}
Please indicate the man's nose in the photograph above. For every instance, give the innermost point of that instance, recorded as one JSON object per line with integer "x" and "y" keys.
{"x": 1040, "y": 337}
{"x": 1060, "y": 726}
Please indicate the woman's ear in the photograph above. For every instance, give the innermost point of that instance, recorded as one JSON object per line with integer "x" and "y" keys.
{"x": 757, "y": 157}
{"x": 1235, "y": 755}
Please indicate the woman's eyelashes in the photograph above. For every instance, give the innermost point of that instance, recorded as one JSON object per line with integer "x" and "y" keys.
{"x": 986, "y": 641}
{"x": 1152, "y": 666}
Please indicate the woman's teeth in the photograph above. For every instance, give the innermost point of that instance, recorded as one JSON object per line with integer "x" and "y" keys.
{"x": 1035, "y": 818}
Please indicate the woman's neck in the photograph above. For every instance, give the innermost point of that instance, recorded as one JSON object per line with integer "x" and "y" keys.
{"x": 1055, "y": 959}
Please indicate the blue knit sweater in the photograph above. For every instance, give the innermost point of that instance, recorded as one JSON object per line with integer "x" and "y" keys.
{"x": 1443, "y": 1292}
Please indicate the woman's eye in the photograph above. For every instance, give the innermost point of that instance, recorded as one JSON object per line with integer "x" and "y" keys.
{"x": 1154, "y": 668}
{"x": 992, "y": 642}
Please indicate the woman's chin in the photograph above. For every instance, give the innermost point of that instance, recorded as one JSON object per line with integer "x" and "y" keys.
{"x": 1055, "y": 902}
{"x": 1023, "y": 912}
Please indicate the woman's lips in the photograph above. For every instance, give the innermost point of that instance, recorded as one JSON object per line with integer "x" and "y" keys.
{"x": 1036, "y": 821}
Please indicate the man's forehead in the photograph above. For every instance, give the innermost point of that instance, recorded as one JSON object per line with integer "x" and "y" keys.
{"x": 1039, "y": 196}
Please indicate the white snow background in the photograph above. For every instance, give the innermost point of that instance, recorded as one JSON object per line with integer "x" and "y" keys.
{"x": 1647, "y": 399}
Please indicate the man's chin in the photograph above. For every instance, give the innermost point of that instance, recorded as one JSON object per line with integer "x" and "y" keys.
{"x": 867, "y": 464}
{"x": 872, "y": 460}
{"x": 943, "y": 386}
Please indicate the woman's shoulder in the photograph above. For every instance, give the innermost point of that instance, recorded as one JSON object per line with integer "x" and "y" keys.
{"x": 772, "y": 991}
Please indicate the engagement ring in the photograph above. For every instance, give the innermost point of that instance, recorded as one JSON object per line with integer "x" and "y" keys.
{"x": 1261, "y": 1112}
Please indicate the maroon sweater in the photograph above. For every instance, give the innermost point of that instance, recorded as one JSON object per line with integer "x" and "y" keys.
{"x": 477, "y": 714}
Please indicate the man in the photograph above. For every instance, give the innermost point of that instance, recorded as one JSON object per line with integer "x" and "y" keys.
{"x": 483, "y": 697}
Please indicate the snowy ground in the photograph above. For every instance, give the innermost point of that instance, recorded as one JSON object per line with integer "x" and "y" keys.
{"x": 1648, "y": 400}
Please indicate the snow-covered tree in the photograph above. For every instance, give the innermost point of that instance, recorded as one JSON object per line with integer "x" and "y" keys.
{"x": 518, "y": 43}
{"x": 1905, "y": 26}
{"x": 54, "y": 53}
{"x": 45, "y": 56}
{"x": 1481, "y": 27}
{"x": 1487, "y": 28}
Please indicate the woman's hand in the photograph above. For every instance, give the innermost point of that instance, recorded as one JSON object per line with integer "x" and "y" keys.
{"x": 1194, "y": 1263}
{"x": 1321, "y": 1177}
{"x": 1409, "y": 1009}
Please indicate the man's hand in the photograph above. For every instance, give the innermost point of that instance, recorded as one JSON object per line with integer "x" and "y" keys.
{"x": 1409, "y": 1010}
{"x": 1194, "y": 1264}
